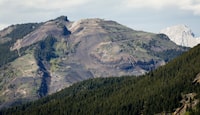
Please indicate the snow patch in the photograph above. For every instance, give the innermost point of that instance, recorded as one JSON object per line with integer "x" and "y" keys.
{"x": 181, "y": 35}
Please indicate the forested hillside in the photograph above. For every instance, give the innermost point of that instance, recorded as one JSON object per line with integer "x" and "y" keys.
{"x": 160, "y": 91}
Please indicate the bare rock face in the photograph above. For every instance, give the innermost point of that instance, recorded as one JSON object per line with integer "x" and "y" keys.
{"x": 6, "y": 31}
{"x": 197, "y": 79}
{"x": 181, "y": 35}
{"x": 76, "y": 51}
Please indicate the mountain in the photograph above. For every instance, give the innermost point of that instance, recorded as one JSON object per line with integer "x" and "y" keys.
{"x": 181, "y": 35}
{"x": 170, "y": 89}
{"x": 37, "y": 59}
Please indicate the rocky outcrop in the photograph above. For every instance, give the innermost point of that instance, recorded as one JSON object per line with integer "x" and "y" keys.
{"x": 197, "y": 79}
{"x": 188, "y": 101}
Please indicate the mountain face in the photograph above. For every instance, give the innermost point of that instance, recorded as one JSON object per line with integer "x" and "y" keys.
{"x": 181, "y": 35}
{"x": 172, "y": 89}
{"x": 38, "y": 59}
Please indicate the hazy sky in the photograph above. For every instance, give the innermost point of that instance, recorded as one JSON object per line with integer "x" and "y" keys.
{"x": 147, "y": 15}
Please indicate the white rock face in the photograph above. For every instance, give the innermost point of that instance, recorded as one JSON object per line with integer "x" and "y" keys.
{"x": 181, "y": 35}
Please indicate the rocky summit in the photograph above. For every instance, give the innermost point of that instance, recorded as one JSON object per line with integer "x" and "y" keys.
{"x": 181, "y": 35}
{"x": 37, "y": 59}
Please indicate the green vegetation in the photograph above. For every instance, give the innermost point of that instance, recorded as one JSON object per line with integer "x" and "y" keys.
{"x": 33, "y": 59}
{"x": 18, "y": 71}
{"x": 159, "y": 43}
{"x": 9, "y": 71}
{"x": 61, "y": 48}
{"x": 6, "y": 55}
{"x": 157, "y": 92}
{"x": 168, "y": 55}
{"x": 43, "y": 53}
{"x": 45, "y": 49}
{"x": 21, "y": 30}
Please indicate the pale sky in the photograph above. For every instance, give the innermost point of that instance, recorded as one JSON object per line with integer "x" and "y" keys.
{"x": 146, "y": 15}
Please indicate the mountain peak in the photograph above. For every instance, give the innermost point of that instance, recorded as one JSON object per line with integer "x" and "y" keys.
{"x": 181, "y": 35}
{"x": 62, "y": 18}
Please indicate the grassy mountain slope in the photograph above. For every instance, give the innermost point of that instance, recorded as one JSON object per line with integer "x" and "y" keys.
{"x": 159, "y": 91}
{"x": 18, "y": 70}
{"x": 9, "y": 36}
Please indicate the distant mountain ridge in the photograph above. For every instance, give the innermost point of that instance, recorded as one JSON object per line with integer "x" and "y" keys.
{"x": 37, "y": 59}
{"x": 181, "y": 35}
